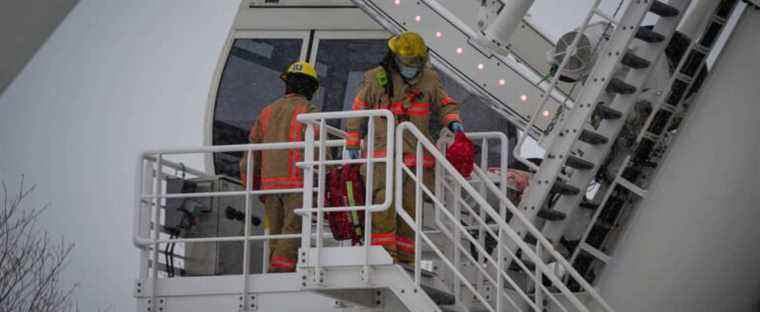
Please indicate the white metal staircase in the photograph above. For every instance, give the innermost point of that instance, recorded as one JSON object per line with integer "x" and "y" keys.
{"x": 363, "y": 277}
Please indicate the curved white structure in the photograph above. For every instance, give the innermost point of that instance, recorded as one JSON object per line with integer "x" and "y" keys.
{"x": 120, "y": 77}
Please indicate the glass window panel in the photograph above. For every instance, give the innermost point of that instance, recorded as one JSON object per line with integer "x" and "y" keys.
{"x": 250, "y": 81}
{"x": 341, "y": 64}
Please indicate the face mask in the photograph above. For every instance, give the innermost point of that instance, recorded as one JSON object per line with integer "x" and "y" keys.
{"x": 408, "y": 72}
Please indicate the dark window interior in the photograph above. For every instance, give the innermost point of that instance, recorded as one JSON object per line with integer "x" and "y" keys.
{"x": 250, "y": 81}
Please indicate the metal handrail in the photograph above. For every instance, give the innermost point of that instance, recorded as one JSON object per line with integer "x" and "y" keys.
{"x": 319, "y": 120}
{"x": 151, "y": 175}
{"x": 504, "y": 228}
{"x": 482, "y": 139}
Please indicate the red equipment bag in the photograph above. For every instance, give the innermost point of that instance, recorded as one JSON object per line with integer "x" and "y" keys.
{"x": 345, "y": 187}
{"x": 461, "y": 154}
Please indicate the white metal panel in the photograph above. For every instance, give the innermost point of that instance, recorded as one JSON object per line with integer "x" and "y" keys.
{"x": 304, "y": 18}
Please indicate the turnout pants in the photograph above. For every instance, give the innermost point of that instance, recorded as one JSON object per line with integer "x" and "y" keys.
{"x": 281, "y": 218}
{"x": 388, "y": 228}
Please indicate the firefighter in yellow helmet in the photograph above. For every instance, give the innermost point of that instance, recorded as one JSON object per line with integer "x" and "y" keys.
{"x": 276, "y": 169}
{"x": 405, "y": 84}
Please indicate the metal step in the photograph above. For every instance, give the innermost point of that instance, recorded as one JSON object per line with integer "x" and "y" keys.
{"x": 551, "y": 215}
{"x": 620, "y": 87}
{"x": 635, "y": 189}
{"x": 585, "y": 204}
{"x": 578, "y": 163}
{"x": 410, "y": 269}
{"x": 663, "y": 9}
{"x": 596, "y": 253}
{"x": 563, "y": 188}
{"x": 438, "y": 296}
{"x": 634, "y": 61}
{"x": 648, "y": 35}
{"x": 592, "y": 137}
{"x": 606, "y": 112}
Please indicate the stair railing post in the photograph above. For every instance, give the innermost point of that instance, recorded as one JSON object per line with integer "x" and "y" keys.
{"x": 500, "y": 279}
{"x": 308, "y": 197}
{"x": 246, "y": 225}
{"x": 157, "y": 182}
{"x": 457, "y": 240}
{"x": 538, "y": 281}
{"x": 318, "y": 273}
{"x": 418, "y": 214}
{"x": 369, "y": 191}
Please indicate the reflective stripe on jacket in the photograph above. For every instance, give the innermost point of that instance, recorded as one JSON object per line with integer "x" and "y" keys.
{"x": 424, "y": 103}
{"x": 277, "y": 123}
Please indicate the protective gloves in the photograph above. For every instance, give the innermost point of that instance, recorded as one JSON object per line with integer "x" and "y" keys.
{"x": 456, "y": 126}
{"x": 354, "y": 153}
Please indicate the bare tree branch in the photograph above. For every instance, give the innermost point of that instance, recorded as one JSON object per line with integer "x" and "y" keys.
{"x": 31, "y": 262}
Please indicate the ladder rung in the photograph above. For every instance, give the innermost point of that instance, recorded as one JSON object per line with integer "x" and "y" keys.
{"x": 631, "y": 187}
{"x": 668, "y": 107}
{"x": 634, "y": 61}
{"x": 588, "y": 205}
{"x": 648, "y": 35}
{"x": 663, "y": 9}
{"x": 684, "y": 78}
{"x": 551, "y": 215}
{"x": 702, "y": 49}
{"x": 596, "y": 253}
{"x": 606, "y": 112}
{"x": 621, "y": 87}
{"x": 650, "y": 136}
{"x": 592, "y": 137}
{"x": 578, "y": 163}
{"x": 565, "y": 189}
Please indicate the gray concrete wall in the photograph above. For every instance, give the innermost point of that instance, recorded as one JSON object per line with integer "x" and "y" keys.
{"x": 24, "y": 27}
{"x": 693, "y": 244}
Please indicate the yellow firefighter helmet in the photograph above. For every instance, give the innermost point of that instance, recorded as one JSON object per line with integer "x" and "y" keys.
{"x": 303, "y": 68}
